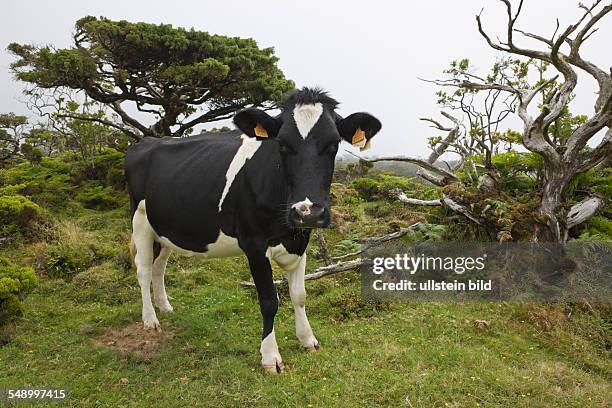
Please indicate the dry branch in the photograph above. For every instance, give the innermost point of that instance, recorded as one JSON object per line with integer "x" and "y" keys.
{"x": 373, "y": 242}
{"x": 415, "y": 201}
{"x": 583, "y": 211}
{"x": 319, "y": 272}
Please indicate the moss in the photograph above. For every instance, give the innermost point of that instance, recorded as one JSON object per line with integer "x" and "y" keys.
{"x": 15, "y": 283}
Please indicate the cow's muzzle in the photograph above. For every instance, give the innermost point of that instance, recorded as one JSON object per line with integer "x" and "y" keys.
{"x": 305, "y": 214}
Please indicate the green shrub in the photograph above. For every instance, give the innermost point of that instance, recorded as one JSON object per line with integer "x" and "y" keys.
{"x": 98, "y": 198}
{"x": 56, "y": 180}
{"x": 367, "y": 188}
{"x": 15, "y": 283}
{"x": 106, "y": 167}
{"x": 598, "y": 227}
{"x": 65, "y": 260}
{"x": 47, "y": 184}
{"x": 518, "y": 171}
{"x": 104, "y": 284}
{"x": 389, "y": 183}
{"x": 18, "y": 215}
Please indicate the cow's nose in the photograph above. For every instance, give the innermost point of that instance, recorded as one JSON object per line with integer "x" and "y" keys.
{"x": 306, "y": 214}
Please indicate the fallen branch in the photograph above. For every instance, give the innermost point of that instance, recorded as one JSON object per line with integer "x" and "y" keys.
{"x": 415, "y": 201}
{"x": 582, "y": 211}
{"x": 456, "y": 207}
{"x": 319, "y": 272}
{"x": 372, "y": 242}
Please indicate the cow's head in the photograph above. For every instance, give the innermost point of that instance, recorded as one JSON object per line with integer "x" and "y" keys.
{"x": 307, "y": 133}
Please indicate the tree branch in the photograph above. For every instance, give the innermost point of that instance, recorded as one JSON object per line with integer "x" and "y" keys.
{"x": 583, "y": 211}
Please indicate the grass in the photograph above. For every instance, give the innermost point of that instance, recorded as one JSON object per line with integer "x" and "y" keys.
{"x": 400, "y": 354}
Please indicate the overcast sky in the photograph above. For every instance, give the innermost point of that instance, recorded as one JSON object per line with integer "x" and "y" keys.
{"x": 367, "y": 54}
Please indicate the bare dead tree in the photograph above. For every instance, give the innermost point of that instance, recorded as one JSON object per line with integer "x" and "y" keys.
{"x": 563, "y": 158}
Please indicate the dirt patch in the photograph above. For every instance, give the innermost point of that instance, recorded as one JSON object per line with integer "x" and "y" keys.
{"x": 134, "y": 340}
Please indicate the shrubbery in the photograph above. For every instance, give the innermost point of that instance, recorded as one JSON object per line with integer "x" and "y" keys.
{"x": 368, "y": 188}
{"x": 18, "y": 215}
{"x": 15, "y": 283}
{"x": 52, "y": 183}
{"x": 98, "y": 198}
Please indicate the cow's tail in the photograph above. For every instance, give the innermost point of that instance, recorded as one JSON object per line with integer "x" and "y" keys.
{"x": 132, "y": 253}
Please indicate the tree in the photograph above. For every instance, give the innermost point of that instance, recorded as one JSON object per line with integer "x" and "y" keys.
{"x": 180, "y": 77}
{"x": 12, "y": 132}
{"x": 558, "y": 139}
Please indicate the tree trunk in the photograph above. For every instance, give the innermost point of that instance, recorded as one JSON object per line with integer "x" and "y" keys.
{"x": 554, "y": 215}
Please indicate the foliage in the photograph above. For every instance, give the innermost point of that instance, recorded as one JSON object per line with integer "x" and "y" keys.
{"x": 98, "y": 198}
{"x": 519, "y": 171}
{"x": 15, "y": 283}
{"x": 164, "y": 71}
{"x": 33, "y": 154}
{"x": 599, "y": 228}
{"x": 346, "y": 171}
{"x": 56, "y": 180}
{"x": 12, "y": 129}
{"x": 428, "y": 232}
{"x": 367, "y": 188}
{"x": 18, "y": 215}
{"x": 66, "y": 260}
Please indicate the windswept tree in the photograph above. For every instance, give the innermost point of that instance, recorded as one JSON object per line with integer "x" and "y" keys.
{"x": 178, "y": 78}
{"x": 556, "y": 139}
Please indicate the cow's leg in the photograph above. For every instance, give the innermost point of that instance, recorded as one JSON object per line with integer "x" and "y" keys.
{"x": 295, "y": 267}
{"x": 268, "y": 303}
{"x": 159, "y": 288}
{"x": 142, "y": 236}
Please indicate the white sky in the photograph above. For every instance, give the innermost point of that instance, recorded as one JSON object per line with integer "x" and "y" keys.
{"x": 367, "y": 54}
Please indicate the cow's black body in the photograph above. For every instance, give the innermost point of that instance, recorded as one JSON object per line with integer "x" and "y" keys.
{"x": 181, "y": 181}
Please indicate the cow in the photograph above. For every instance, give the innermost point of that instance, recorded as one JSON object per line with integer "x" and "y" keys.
{"x": 256, "y": 191}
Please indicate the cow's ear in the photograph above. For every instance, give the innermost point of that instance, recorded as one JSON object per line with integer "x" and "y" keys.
{"x": 358, "y": 129}
{"x": 256, "y": 123}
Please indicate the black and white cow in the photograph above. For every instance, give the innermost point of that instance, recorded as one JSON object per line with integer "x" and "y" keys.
{"x": 257, "y": 191}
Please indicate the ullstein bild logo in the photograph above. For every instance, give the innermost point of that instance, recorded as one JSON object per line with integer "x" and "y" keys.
{"x": 486, "y": 271}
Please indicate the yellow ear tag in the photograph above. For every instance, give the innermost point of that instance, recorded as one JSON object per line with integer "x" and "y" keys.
{"x": 260, "y": 131}
{"x": 359, "y": 139}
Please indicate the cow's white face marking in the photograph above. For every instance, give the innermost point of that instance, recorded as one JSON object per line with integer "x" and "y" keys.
{"x": 306, "y": 116}
{"x": 246, "y": 150}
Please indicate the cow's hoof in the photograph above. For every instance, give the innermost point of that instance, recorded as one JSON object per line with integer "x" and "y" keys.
{"x": 152, "y": 324}
{"x": 277, "y": 368}
{"x": 166, "y": 308}
{"x": 313, "y": 348}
